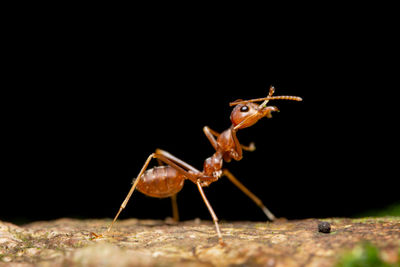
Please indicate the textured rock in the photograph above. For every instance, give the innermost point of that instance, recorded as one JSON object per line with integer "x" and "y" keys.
{"x": 68, "y": 242}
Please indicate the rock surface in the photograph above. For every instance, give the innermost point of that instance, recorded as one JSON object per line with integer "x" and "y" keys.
{"x": 68, "y": 242}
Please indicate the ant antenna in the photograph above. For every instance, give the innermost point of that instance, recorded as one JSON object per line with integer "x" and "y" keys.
{"x": 266, "y": 99}
{"x": 271, "y": 92}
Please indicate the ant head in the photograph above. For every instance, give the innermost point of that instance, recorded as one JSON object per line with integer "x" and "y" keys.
{"x": 247, "y": 113}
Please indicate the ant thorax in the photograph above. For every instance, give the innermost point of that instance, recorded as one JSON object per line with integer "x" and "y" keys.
{"x": 213, "y": 165}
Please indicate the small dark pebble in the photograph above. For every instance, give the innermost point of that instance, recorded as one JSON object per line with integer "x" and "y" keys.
{"x": 324, "y": 227}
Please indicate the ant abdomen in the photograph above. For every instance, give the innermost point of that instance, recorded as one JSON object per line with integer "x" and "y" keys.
{"x": 161, "y": 182}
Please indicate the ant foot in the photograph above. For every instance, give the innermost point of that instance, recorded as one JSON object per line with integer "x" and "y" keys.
{"x": 269, "y": 214}
{"x": 280, "y": 220}
{"x": 252, "y": 147}
{"x": 95, "y": 236}
{"x": 171, "y": 221}
{"x": 222, "y": 243}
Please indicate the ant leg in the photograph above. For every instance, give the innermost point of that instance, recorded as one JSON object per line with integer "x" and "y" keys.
{"x": 194, "y": 176}
{"x": 215, "y": 133}
{"x": 210, "y": 133}
{"x": 210, "y": 209}
{"x": 166, "y": 158}
{"x": 253, "y": 197}
{"x": 169, "y": 158}
{"x": 175, "y": 211}
{"x": 190, "y": 172}
{"x": 132, "y": 189}
{"x": 251, "y": 147}
{"x": 210, "y": 136}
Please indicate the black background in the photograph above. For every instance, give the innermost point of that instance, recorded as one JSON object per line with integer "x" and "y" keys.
{"x": 84, "y": 107}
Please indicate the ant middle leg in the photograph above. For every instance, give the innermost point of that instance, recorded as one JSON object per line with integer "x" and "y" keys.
{"x": 165, "y": 157}
{"x": 253, "y": 197}
{"x": 213, "y": 215}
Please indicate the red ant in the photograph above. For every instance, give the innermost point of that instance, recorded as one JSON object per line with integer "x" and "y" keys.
{"x": 167, "y": 181}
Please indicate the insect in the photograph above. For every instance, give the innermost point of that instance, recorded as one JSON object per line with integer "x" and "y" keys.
{"x": 167, "y": 180}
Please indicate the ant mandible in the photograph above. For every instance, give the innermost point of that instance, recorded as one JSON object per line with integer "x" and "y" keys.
{"x": 167, "y": 180}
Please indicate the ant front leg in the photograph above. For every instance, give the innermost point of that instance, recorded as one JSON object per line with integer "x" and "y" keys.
{"x": 211, "y": 134}
{"x": 251, "y": 147}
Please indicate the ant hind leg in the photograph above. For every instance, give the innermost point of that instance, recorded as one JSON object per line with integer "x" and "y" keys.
{"x": 175, "y": 211}
{"x": 132, "y": 189}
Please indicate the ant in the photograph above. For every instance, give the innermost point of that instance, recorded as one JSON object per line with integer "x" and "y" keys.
{"x": 167, "y": 180}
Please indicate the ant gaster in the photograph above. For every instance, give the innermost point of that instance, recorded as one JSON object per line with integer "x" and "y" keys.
{"x": 167, "y": 180}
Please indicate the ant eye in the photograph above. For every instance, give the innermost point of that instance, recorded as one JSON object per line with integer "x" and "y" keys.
{"x": 244, "y": 109}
